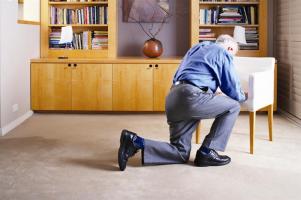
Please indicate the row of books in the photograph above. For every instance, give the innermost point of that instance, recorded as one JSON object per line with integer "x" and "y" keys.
{"x": 100, "y": 40}
{"x": 82, "y": 40}
{"x": 206, "y": 34}
{"x": 86, "y": 15}
{"x": 78, "y": 0}
{"x": 252, "y": 37}
{"x": 229, "y": 0}
{"x": 54, "y": 39}
{"x": 229, "y": 15}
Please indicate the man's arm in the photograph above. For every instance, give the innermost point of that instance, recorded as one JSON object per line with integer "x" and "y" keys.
{"x": 230, "y": 83}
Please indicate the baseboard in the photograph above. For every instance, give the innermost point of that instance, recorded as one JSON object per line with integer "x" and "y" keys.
{"x": 6, "y": 129}
{"x": 290, "y": 117}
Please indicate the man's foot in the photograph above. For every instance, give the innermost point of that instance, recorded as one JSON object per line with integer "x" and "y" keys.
{"x": 210, "y": 158}
{"x": 127, "y": 148}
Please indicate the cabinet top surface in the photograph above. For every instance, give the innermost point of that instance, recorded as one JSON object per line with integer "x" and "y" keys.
{"x": 121, "y": 60}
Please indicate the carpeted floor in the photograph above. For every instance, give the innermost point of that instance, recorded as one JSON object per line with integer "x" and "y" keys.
{"x": 72, "y": 156}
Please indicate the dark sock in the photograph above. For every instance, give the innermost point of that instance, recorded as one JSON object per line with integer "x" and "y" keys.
{"x": 205, "y": 150}
{"x": 138, "y": 142}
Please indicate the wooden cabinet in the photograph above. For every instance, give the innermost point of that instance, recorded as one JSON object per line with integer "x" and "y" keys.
{"x": 50, "y": 87}
{"x": 163, "y": 76}
{"x": 123, "y": 84}
{"x": 132, "y": 87}
{"x": 86, "y": 87}
{"x": 101, "y": 85}
{"x": 141, "y": 87}
{"x": 92, "y": 87}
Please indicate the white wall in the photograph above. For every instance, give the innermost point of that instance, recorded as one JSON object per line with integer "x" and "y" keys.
{"x": 18, "y": 44}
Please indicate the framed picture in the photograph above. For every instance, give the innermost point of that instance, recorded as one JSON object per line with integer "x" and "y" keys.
{"x": 145, "y": 11}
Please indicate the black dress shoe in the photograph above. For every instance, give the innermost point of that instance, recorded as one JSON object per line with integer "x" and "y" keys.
{"x": 211, "y": 159}
{"x": 126, "y": 149}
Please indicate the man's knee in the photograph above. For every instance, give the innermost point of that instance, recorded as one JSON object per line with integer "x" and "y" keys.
{"x": 235, "y": 107}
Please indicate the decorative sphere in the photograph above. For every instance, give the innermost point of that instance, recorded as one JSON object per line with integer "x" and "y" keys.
{"x": 152, "y": 48}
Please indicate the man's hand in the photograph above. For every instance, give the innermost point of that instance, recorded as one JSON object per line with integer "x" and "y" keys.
{"x": 246, "y": 94}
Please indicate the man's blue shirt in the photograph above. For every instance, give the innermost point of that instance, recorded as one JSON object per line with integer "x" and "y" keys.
{"x": 209, "y": 65}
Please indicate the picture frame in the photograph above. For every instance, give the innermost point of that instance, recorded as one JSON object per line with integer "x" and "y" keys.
{"x": 146, "y": 11}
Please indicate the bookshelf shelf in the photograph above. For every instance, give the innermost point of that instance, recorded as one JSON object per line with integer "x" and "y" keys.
{"x": 94, "y": 33}
{"x": 79, "y": 50}
{"x": 209, "y": 19}
{"x": 229, "y": 3}
{"x": 78, "y": 25}
{"x": 79, "y": 3}
{"x": 227, "y": 26}
{"x": 89, "y": 53}
{"x": 210, "y": 39}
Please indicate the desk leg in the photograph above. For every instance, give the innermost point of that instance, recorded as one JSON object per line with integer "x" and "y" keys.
{"x": 270, "y": 119}
{"x": 252, "y": 117}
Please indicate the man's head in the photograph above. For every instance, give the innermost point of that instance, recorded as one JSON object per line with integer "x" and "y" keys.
{"x": 228, "y": 43}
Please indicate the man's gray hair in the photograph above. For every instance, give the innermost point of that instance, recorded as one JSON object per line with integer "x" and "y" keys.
{"x": 227, "y": 41}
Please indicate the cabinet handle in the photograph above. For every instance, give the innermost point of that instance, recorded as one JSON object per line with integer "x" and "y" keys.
{"x": 150, "y": 67}
{"x": 156, "y": 65}
{"x": 69, "y": 65}
{"x": 74, "y": 65}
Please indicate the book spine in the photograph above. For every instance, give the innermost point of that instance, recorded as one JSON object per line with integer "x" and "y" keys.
{"x": 101, "y": 15}
{"x": 205, "y": 15}
{"x": 94, "y": 15}
{"x": 97, "y": 15}
{"x": 64, "y": 16}
{"x": 201, "y": 13}
{"x": 252, "y": 15}
{"x": 82, "y": 16}
{"x": 106, "y": 15}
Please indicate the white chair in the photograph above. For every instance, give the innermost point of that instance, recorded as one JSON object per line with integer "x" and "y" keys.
{"x": 257, "y": 78}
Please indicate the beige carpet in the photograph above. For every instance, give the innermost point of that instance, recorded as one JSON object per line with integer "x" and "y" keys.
{"x": 70, "y": 156}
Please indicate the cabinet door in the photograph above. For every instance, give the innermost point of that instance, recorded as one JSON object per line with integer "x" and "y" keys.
{"x": 50, "y": 86}
{"x": 92, "y": 87}
{"x": 163, "y": 76}
{"x": 132, "y": 87}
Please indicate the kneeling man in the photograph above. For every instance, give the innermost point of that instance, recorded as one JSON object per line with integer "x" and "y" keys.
{"x": 205, "y": 68}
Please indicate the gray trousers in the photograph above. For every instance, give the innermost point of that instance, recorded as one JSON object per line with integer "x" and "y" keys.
{"x": 185, "y": 106}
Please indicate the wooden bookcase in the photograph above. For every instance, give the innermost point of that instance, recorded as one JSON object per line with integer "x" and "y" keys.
{"x": 47, "y": 27}
{"x": 98, "y": 80}
{"x": 195, "y": 26}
